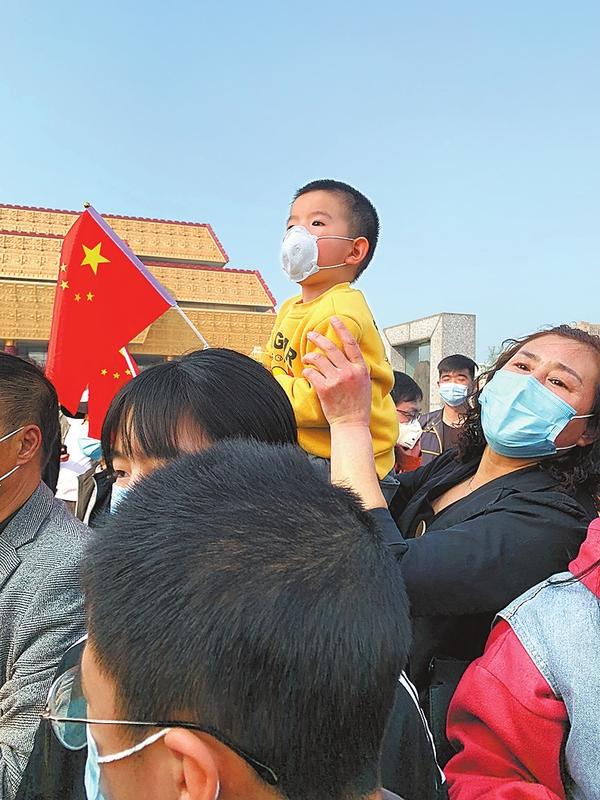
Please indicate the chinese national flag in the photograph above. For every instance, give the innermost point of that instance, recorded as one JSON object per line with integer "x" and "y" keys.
{"x": 104, "y": 298}
{"x": 117, "y": 370}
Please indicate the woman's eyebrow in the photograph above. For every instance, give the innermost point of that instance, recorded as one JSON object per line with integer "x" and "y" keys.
{"x": 557, "y": 364}
{"x": 571, "y": 371}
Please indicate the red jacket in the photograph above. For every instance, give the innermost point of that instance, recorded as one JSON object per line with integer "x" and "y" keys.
{"x": 505, "y": 721}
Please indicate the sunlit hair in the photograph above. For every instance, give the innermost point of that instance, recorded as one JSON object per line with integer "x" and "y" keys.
{"x": 577, "y": 468}
{"x": 27, "y": 397}
{"x": 242, "y": 616}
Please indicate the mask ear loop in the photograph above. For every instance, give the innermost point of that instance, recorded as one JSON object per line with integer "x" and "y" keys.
{"x": 12, "y": 433}
{"x": 577, "y": 416}
{"x": 333, "y": 266}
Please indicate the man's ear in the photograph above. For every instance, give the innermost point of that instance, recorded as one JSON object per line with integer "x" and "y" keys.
{"x": 29, "y": 442}
{"x": 359, "y": 251}
{"x": 198, "y": 777}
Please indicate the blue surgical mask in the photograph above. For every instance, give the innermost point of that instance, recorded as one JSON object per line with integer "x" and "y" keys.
{"x": 117, "y": 496}
{"x": 454, "y": 394}
{"x": 91, "y": 448}
{"x": 521, "y": 418}
{"x": 92, "y": 770}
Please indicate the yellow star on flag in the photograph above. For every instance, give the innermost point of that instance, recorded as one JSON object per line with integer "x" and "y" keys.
{"x": 64, "y": 284}
{"x": 90, "y": 296}
{"x": 63, "y": 267}
{"x": 127, "y": 372}
{"x": 103, "y": 372}
{"x": 116, "y": 375}
{"x": 93, "y": 257}
{"x": 77, "y": 297}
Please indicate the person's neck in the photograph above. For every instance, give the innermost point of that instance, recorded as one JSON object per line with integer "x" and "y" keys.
{"x": 452, "y": 415}
{"x": 493, "y": 465}
{"x": 310, "y": 293}
{"x": 16, "y": 492}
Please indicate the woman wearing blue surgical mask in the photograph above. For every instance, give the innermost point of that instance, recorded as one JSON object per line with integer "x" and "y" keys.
{"x": 505, "y": 511}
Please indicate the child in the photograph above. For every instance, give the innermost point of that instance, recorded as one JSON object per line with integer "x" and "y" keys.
{"x": 331, "y": 235}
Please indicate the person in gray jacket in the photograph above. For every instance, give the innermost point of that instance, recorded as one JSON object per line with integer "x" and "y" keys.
{"x": 41, "y": 604}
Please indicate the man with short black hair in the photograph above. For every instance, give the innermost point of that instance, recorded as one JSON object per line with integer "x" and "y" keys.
{"x": 441, "y": 428}
{"x": 407, "y": 396}
{"x": 252, "y": 640}
{"x": 41, "y": 604}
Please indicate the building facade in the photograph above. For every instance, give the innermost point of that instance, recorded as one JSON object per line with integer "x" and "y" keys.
{"x": 231, "y": 307}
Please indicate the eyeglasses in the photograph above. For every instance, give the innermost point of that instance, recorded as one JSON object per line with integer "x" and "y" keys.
{"x": 66, "y": 710}
{"x": 408, "y": 416}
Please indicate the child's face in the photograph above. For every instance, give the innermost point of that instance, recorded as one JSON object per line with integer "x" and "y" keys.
{"x": 323, "y": 214}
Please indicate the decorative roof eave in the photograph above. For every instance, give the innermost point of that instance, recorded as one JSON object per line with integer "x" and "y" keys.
{"x": 205, "y": 225}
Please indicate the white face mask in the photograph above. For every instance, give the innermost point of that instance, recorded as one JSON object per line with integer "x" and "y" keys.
{"x": 14, "y": 469}
{"x": 409, "y": 433}
{"x": 300, "y": 253}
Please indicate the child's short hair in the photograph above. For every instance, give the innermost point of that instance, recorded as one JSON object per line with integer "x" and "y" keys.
{"x": 362, "y": 217}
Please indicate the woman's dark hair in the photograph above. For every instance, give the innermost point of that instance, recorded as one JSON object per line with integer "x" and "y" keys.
{"x": 577, "y": 468}
{"x": 221, "y": 393}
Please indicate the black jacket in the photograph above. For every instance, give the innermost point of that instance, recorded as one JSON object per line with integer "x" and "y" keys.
{"x": 478, "y": 554}
{"x": 432, "y": 438}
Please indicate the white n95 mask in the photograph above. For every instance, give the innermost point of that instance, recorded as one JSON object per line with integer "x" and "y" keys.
{"x": 300, "y": 253}
{"x": 409, "y": 433}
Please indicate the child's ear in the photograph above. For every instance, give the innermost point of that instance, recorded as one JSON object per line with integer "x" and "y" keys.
{"x": 359, "y": 251}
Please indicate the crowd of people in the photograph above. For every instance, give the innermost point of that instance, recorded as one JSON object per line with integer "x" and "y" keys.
{"x": 282, "y": 580}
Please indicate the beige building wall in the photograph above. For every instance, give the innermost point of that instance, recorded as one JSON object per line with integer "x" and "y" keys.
{"x": 231, "y": 307}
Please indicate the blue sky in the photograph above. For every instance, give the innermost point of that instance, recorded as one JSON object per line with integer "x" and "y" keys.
{"x": 473, "y": 126}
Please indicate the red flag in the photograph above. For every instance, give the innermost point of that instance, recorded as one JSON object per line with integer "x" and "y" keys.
{"x": 116, "y": 371}
{"x": 104, "y": 298}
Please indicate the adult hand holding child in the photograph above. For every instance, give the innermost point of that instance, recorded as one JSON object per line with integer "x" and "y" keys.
{"x": 341, "y": 380}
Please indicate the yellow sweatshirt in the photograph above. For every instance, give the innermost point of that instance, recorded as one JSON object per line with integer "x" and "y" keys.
{"x": 287, "y": 345}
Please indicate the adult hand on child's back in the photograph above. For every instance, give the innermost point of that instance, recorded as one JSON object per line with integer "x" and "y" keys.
{"x": 340, "y": 378}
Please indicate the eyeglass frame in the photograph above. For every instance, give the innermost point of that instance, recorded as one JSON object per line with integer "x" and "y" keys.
{"x": 263, "y": 771}
{"x": 408, "y": 417}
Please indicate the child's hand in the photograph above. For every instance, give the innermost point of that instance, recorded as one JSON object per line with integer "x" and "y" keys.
{"x": 341, "y": 379}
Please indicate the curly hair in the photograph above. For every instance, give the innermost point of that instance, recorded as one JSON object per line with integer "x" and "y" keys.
{"x": 577, "y": 468}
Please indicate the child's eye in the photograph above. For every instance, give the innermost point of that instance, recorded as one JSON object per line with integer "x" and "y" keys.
{"x": 521, "y": 366}
{"x": 317, "y": 222}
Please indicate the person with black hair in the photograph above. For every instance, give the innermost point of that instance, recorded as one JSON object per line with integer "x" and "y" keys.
{"x": 177, "y": 407}
{"x": 185, "y": 405}
{"x": 407, "y": 397}
{"x": 441, "y": 428}
{"x": 137, "y": 441}
{"x": 486, "y": 522}
{"x": 524, "y": 719}
{"x": 332, "y": 232}
{"x": 41, "y": 605}
{"x": 268, "y": 663}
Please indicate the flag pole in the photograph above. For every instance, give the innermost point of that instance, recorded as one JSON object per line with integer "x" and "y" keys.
{"x": 125, "y": 353}
{"x": 192, "y": 326}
